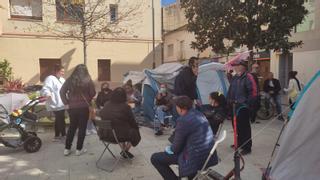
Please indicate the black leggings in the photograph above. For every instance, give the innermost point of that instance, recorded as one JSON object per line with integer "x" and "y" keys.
{"x": 59, "y": 123}
{"x": 78, "y": 120}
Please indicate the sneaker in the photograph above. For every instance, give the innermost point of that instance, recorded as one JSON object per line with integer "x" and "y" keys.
{"x": 158, "y": 133}
{"x": 124, "y": 155}
{"x": 80, "y": 152}
{"x": 280, "y": 118}
{"x": 130, "y": 155}
{"x": 67, "y": 152}
{"x": 88, "y": 133}
{"x": 93, "y": 131}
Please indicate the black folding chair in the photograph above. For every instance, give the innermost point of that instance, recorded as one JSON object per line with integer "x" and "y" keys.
{"x": 105, "y": 125}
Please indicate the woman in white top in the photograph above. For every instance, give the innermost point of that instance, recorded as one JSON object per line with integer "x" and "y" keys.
{"x": 51, "y": 89}
{"x": 294, "y": 87}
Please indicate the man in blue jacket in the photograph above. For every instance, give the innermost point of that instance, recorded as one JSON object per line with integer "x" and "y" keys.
{"x": 191, "y": 146}
{"x": 243, "y": 92}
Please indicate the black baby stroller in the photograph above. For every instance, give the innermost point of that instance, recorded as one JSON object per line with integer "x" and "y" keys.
{"x": 12, "y": 127}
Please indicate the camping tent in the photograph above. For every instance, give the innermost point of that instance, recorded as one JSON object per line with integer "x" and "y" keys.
{"x": 298, "y": 155}
{"x": 211, "y": 78}
{"x": 164, "y": 73}
{"x": 135, "y": 76}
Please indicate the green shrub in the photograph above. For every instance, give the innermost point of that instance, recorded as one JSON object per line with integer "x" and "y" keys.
{"x": 5, "y": 69}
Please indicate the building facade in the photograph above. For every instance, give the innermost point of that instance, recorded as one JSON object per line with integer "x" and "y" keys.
{"x": 176, "y": 38}
{"x": 304, "y": 59}
{"x": 32, "y": 52}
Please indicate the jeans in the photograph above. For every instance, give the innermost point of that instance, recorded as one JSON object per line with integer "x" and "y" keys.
{"x": 160, "y": 116}
{"x": 162, "y": 161}
{"x": 59, "y": 123}
{"x": 78, "y": 120}
{"x": 277, "y": 100}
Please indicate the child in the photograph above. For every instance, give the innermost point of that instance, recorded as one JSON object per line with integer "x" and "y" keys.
{"x": 216, "y": 112}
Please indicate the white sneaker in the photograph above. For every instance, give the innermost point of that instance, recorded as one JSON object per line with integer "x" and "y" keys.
{"x": 67, "y": 152}
{"x": 93, "y": 131}
{"x": 80, "y": 152}
{"x": 88, "y": 133}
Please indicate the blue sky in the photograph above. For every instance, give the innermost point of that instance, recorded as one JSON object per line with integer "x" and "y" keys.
{"x": 166, "y": 2}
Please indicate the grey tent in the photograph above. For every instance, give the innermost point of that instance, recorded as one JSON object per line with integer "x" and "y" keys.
{"x": 298, "y": 157}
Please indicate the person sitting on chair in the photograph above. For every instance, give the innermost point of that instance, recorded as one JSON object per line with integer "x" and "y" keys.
{"x": 216, "y": 114}
{"x": 163, "y": 106}
{"x": 191, "y": 146}
{"x": 122, "y": 120}
{"x": 134, "y": 97}
{"x": 104, "y": 95}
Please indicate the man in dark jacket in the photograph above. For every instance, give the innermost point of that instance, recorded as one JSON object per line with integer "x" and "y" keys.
{"x": 272, "y": 87}
{"x": 185, "y": 83}
{"x": 243, "y": 93}
{"x": 191, "y": 146}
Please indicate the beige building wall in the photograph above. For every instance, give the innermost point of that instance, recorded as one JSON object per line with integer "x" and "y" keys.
{"x": 177, "y": 39}
{"x": 22, "y": 45}
{"x": 177, "y": 46}
{"x": 306, "y": 58}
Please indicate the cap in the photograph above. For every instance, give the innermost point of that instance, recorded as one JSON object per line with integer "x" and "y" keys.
{"x": 242, "y": 62}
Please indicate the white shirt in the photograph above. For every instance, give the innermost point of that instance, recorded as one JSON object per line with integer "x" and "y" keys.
{"x": 51, "y": 88}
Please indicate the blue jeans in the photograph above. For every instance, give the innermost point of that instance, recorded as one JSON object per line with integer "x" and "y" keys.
{"x": 277, "y": 100}
{"x": 160, "y": 113}
{"x": 160, "y": 117}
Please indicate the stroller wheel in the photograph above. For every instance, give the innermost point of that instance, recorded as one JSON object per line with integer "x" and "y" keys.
{"x": 32, "y": 144}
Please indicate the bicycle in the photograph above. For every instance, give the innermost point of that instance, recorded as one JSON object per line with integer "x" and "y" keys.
{"x": 267, "y": 107}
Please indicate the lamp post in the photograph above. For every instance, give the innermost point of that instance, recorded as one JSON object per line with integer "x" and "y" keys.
{"x": 153, "y": 41}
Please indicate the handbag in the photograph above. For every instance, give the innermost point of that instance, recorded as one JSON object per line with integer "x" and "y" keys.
{"x": 92, "y": 110}
{"x": 293, "y": 94}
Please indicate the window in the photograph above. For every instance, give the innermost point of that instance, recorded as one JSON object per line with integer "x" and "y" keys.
{"x": 46, "y": 67}
{"x": 182, "y": 50}
{"x": 69, "y": 10}
{"x": 26, "y": 9}
{"x": 104, "y": 72}
{"x": 113, "y": 12}
{"x": 170, "y": 50}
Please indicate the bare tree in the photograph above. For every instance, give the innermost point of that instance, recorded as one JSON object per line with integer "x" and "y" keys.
{"x": 86, "y": 20}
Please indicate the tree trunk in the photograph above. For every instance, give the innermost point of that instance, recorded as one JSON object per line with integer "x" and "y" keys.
{"x": 84, "y": 52}
{"x": 250, "y": 61}
{"x": 84, "y": 43}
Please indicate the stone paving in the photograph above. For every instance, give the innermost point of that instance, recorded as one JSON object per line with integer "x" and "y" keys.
{"x": 49, "y": 162}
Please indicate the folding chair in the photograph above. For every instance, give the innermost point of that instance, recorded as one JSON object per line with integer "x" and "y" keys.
{"x": 106, "y": 126}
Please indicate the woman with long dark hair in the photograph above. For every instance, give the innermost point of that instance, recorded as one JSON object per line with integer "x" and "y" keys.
{"x": 122, "y": 119}
{"x": 77, "y": 92}
{"x": 294, "y": 87}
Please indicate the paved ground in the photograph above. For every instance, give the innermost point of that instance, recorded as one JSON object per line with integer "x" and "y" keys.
{"x": 49, "y": 162}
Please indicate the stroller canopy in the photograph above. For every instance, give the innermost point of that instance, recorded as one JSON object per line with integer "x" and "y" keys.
{"x": 211, "y": 78}
{"x": 299, "y": 154}
{"x": 12, "y": 101}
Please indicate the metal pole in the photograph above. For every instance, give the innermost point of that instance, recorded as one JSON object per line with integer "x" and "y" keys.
{"x": 162, "y": 37}
{"x": 153, "y": 41}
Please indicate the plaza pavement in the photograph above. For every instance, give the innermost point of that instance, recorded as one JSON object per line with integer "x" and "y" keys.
{"x": 50, "y": 164}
